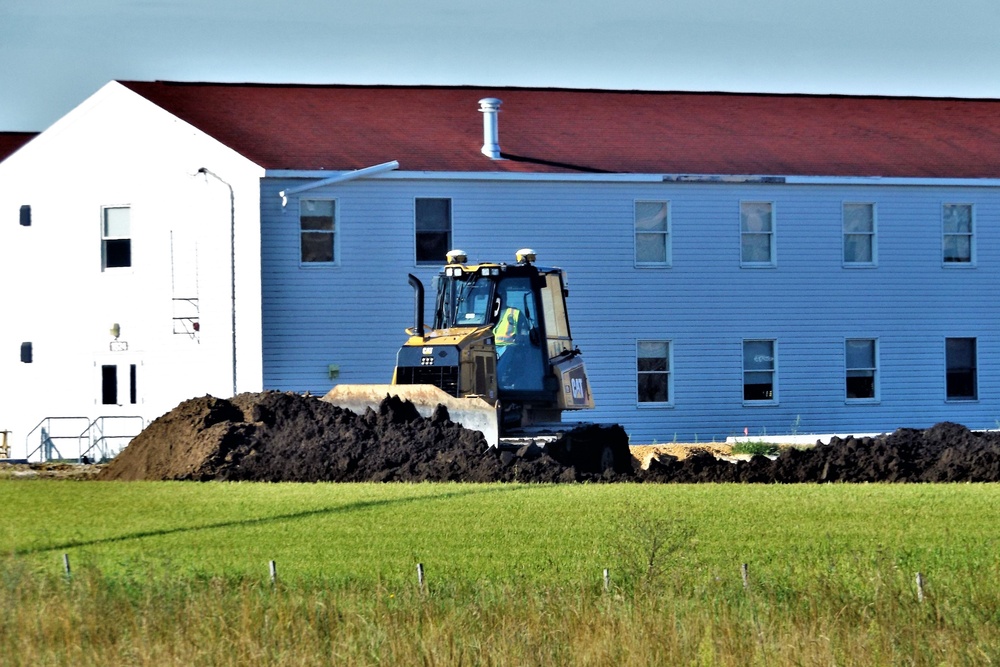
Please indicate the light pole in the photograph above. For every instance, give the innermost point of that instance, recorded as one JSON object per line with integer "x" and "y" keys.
{"x": 232, "y": 259}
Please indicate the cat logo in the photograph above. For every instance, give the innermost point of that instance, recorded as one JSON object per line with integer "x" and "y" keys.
{"x": 578, "y": 391}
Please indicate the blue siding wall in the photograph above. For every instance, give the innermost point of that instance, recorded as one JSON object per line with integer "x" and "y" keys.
{"x": 353, "y": 315}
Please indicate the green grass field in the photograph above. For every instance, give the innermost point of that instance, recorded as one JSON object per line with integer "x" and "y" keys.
{"x": 177, "y": 573}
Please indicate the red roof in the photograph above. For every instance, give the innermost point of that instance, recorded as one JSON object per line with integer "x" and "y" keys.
{"x": 11, "y": 141}
{"x": 556, "y": 130}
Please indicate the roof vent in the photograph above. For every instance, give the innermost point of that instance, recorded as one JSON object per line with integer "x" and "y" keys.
{"x": 490, "y": 106}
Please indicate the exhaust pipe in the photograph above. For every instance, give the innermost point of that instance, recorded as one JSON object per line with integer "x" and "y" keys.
{"x": 418, "y": 306}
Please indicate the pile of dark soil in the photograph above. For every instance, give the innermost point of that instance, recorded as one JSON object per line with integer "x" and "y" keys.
{"x": 946, "y": 452}
{"x": 285, "y": 437}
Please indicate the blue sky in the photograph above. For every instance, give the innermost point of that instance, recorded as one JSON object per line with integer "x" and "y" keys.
{"x": 55, "y": 53}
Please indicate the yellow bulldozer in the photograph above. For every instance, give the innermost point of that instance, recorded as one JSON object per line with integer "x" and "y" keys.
{"x": 499, "y": 356}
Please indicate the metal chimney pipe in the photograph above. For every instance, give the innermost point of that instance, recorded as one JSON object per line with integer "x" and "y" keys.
{"x": 489, "y": 107}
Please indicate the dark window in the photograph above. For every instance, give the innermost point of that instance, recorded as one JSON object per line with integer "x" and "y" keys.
{"x": 317, "y": 225}
{"x": 26, "y": 216}
{"x": 109, "y": 385}
{"x": 861, "y": 368}
{"x": 433, "y": 230}
{"x": 116, "y": 241}
{"x": 758, "y": 370}
{"x": 26, "y": 353}
{"x": 131, "y": 385}
{"x": 960, "y": 359}
{"x": 653, "y": 371}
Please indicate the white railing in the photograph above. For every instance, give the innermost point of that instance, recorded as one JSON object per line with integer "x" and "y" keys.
{"x": 103, "y": 445}
{"x": 61, "y": 438}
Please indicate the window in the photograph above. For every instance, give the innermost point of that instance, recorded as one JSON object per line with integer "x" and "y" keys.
{"x": 25, "y": 215}
{"x": 861, "y": 369}
{"x": 433, "y": 230}
{"x": 653, "y": 380}
{"x": 756, "y": 234}
{"x": 26, "y": 353}
{"x": 759, "y": 371}
{"x": 116, "y": 241}
{"x": 109, "y": 384}
{"x": 859, "y": 234}
{"x": 317, "y": 231}
{"x": 958, "y": 239}
{"x": 652, "y": 233}
{"x": 960, "y": 361}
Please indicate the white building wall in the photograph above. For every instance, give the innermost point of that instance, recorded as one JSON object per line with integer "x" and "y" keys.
{"x": 117, "y": 149}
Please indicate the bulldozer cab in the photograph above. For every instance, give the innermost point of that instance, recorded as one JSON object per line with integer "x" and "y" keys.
{"x": 524, "y": 306}
{"x": 498, "y": 354}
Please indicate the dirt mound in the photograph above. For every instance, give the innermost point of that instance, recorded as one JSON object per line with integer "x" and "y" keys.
{"x": 946, "y": 452}
{"x": 285, "y": 437}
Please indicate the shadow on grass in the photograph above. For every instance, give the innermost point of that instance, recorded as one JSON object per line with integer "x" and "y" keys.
{"x": 340, "y": 509}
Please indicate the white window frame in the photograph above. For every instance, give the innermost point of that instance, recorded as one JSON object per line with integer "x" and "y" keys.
{"x": 773, "y": 371}
{"x": 669, "y": 372}
{"x": 873, "y": 235}
{"x": 666, "y": 234}
{"x": 451, "y": 232}
{"x": 335, "y": 233}
{"x": 107, "y": 237}
{"x": 975, "y": 371}
{"x": 971, "y": 235}
{"x": 875, "y": 397}
{"x": 772, "y": 236}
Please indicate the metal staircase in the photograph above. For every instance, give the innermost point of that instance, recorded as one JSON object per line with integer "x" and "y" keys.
{"x": 60, "y": 438}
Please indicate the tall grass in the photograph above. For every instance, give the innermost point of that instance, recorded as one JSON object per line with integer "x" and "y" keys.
{"x": 175, "y": 574}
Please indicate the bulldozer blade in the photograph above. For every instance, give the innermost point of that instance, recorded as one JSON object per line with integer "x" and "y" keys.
{"x": 473, "y": 412}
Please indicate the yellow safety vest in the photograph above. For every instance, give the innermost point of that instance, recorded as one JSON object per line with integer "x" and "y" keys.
{"x": 506, "y": 328}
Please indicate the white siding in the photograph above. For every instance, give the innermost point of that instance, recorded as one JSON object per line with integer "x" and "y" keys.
{"x": 117, "y": 149}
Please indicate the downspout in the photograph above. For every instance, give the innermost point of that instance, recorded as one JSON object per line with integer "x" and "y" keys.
{"x": 339, "y": 178}
{"x": 232, "y": 260}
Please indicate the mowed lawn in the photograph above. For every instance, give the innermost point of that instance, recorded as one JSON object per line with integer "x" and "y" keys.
{"x": 562, "y": 534}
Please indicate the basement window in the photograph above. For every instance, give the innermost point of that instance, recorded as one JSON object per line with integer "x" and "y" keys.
{"x": 432, "y": 226}
{"x": 116, "y": 237}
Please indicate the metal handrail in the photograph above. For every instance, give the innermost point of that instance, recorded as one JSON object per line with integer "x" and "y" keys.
{"x": 46, "y": 445}
{"x": 98, "y": 425}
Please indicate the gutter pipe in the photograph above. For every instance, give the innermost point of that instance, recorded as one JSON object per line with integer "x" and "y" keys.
{"x": 339, "y": 178}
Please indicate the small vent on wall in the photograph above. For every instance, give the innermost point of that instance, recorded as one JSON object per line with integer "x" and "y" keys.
{"x": 26, "y": 215}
